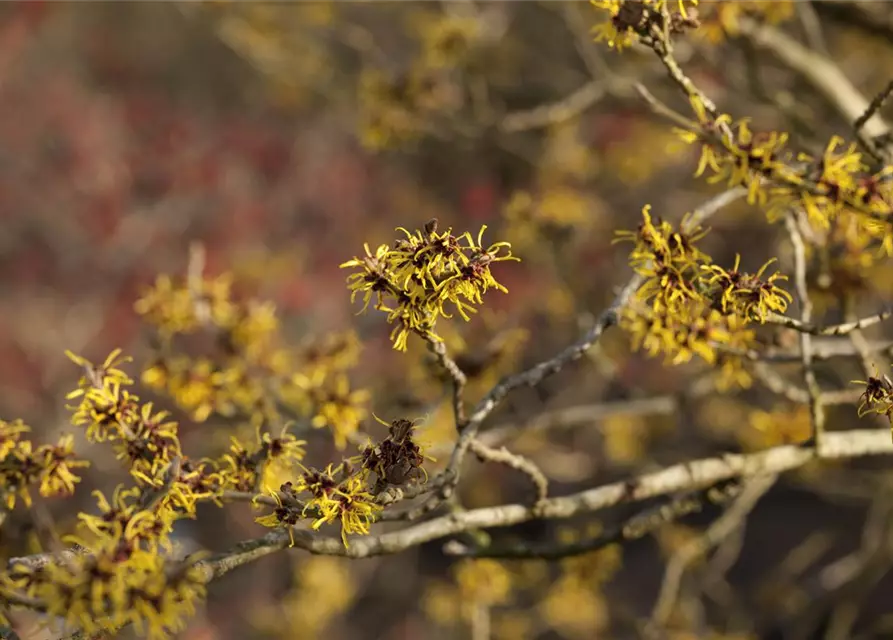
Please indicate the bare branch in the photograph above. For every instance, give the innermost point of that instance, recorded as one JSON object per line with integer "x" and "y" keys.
{"x": 876, "y": 103}
{"x": 39, "y": 560}
{"x": 638, "y": 526}
{"x": 829, "y": 330}
{"x": 533, "y": 377}
{"x": 826, "y": 77}
{"x": 812, "y": 27}
{"x": 816, "y": 412}
{"x": 556, "y": 112}
{"x": 458, "y": 377}
{"x": 724, "y": 526}
{"x": 686, "y": 476}
{"x": 514, "y": 461}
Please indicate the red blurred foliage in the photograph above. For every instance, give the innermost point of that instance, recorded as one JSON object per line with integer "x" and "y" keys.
{"x": 110, "y": 170}
{"x": 480, "y": 201}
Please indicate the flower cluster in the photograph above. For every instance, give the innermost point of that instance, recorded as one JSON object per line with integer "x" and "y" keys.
{"x": 338, "y": 407}
{"x": 689, "y": 306}
{"x": 423, "y": 272}
{"x": 107, "y": 411}
{"x": 51, "y": 467}
{"x": 123, "y": 572}
{"x": 182, "y": 308}
{"x": 734, "y": 154}
{"x": 878, "y": 396}
{"x": 397, "y": 459}
{"x": 249, "y": 374}
{"x": 777, "y": 177}
{"x": 148, "y": 442}
{"x": 346, "y": 493}
{"x": 719, "y": 20}
{"x": 400, "y": 106}
{"x": 744, "y": 294}
{"x": 824, "y": 187}
{"x": 631, "y": 20}
{"x": 130, "y": 520}
{"x": 336, "y": 494}
{"x": 636, "y": 20}
{"x": 150, "y": 446}
{"x": 448, "y": 40}
{"x": 109, "y": 587}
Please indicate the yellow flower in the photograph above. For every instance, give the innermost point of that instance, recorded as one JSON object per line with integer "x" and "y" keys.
{"x": 748, "y": 295}
{"x": 448, "y": 40}
{"x": 350, "y": 503}
{"x": 57, "y": 463}
{"x": 178, "y": 308}
{"x": 339, "y": 408}
{"x": 123, "y": 518}
{"x": 483, "y": 582}
{"x": 10, "y": 434}
{"x": 97, "y": 377}
{"x": 768, "y": 429}
{"x": 106, "y": 590}
{"x": 414, "y": 279}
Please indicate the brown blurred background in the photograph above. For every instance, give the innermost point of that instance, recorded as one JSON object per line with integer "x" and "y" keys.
{"x": 282, "y": 137}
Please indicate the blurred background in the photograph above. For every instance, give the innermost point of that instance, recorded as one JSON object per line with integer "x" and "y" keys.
{"x": 281, "y": 137}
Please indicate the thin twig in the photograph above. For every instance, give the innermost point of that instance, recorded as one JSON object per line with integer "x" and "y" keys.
{"x": 514, "y": 461}
{"x": 841, "y": 329}
{"x": 39, "y": 560}
{"x": 821, "y": 350}
{"x": 457, "y": 376}
{"x": 875, "y": 144}
{"x": 776, "y": 383}
{"x": 816, "y": 412}
{"x": 718, "y": 531}
{"x": 533, "y": 377}
{"x": 826, "y": 77}
{"x": 663, "y": 110}
{"x": 856, "y": 338}
{"x": 587, "y": 414}
{"x": 555, "y": 113}
{"x": 812, "y": 26}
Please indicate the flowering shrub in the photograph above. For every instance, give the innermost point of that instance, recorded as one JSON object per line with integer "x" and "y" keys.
{"x": 221, "y": 357}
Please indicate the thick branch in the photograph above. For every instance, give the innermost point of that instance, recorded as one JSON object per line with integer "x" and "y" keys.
{"x": 687, "y": 476}
{"x": 641, "y": 524}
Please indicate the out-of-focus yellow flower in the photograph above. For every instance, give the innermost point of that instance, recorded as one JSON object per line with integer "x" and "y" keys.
{"x": 771, "y": 428}
{"x": 340, "y": 409}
